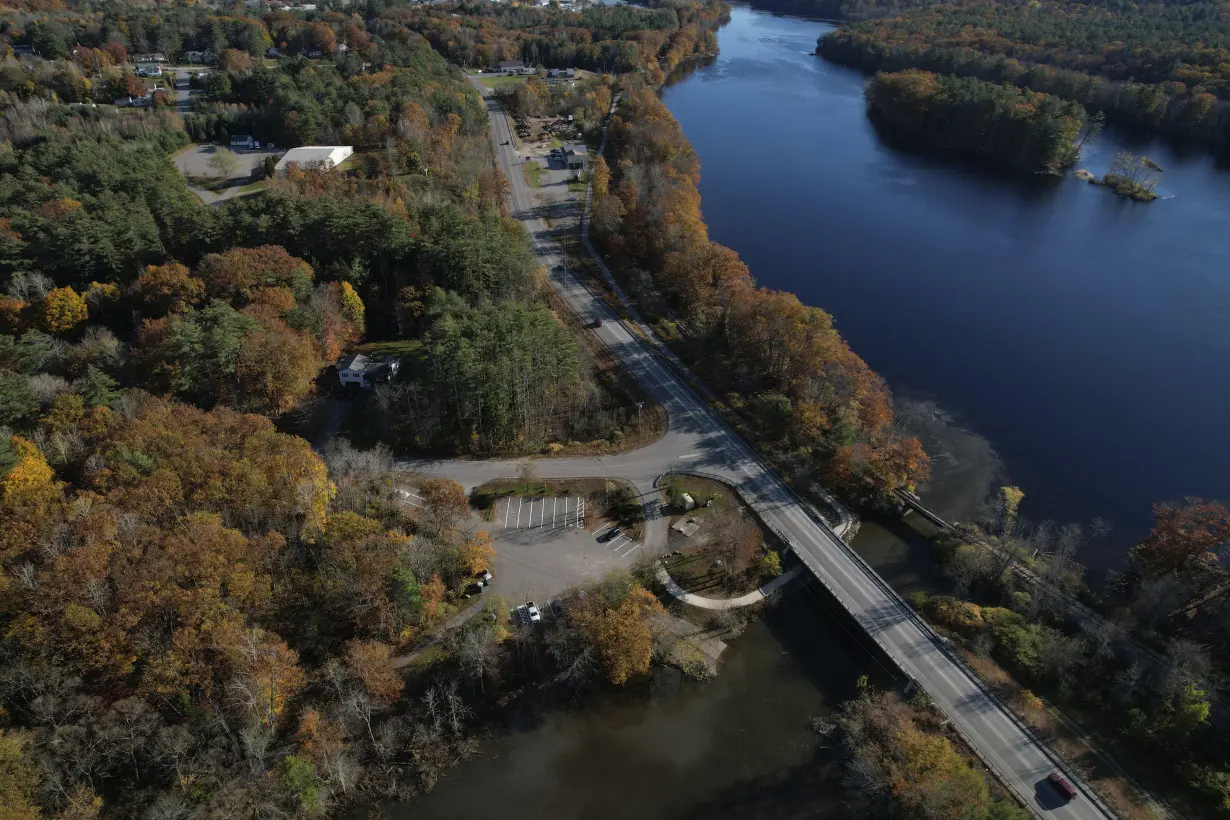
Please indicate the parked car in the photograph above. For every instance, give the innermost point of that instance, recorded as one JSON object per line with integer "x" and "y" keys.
{"x": 519, "y": 615}
{"x": 597, "y": 322}
{"x": 1066, "y": 790}
{"x": 532, "y": 611}
{"x": 610, "y": 535}
{"x": 474, "y": 589}
{"x": 484, "y": 575}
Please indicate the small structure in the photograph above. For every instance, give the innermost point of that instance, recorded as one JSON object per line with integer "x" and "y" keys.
{"x": 365, "y": 371}
{"x": 510, "y": 67}
{"x": 327, "y": 157}
{"x": 243, "y": 141}
{"x": 575, "y": 160}
{"x": 23, "y": 51}
{"x": 687, "y": 527}
{"x": 689, "y": 503}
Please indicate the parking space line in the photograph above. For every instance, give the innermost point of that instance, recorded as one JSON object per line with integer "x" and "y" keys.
{"x": 507, "y": 510}
{"x": 635, "y": 546}
{"x": 542, "y": 508}
{"x": 614, "y": 545}
{"x": 518, "y": 512}
{"x": 554, "y": 504}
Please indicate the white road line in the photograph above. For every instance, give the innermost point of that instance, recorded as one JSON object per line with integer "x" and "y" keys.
{"x": 507, "y": 510}
{"x": 518, "y": 512}
{"x": 554, "y": 502}
{"x": 542, "y": 509}
{"x": 614, "y": 545}
{"x": 635, "y": 546}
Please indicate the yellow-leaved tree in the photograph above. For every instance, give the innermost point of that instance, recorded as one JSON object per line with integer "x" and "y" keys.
{"x": 63, "y": 309}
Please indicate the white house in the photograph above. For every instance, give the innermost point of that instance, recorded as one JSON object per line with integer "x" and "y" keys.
{"x": 365, "y": 371}
{"x": 323, "y": 156}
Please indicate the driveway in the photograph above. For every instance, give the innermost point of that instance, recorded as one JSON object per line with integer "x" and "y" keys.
{"x": 193, "y": 161}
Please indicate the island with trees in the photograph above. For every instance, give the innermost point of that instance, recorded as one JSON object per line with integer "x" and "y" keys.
{"x": 1160, "y": 66}
{"x": 1026, "y": 129}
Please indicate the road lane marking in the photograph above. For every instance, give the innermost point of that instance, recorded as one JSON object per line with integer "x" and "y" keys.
{"x": 518, "y": 512}
{"x": 507, "y": 510}
{"x": 554, "y": 502}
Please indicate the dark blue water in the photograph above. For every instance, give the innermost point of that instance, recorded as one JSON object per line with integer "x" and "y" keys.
{"x": 1084, "y": 335}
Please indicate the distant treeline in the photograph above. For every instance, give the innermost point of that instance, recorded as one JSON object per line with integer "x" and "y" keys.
{"x": 1026, "y": 129}
{"x": 1161, "y": 66}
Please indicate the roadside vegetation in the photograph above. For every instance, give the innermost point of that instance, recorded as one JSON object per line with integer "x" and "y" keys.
{"x": 898, "y": 762}
{"x": 1137, "y": 663}
{"x": 779, "y": 365}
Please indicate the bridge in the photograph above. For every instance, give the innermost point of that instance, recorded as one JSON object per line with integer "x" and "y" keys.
{"x": 699, "y": 440}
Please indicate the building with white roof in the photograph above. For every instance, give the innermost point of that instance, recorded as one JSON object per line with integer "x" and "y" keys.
{"x": 310, "y": 156}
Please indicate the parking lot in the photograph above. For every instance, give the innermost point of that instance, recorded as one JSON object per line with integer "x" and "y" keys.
{"x": 543, "y": 547}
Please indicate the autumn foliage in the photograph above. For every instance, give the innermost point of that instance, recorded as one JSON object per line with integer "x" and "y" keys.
{"x": 781, "y": 362}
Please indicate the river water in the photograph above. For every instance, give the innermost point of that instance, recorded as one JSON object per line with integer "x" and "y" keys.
{"x": 735, "y": 747}
{"x": 1083, "y": 336}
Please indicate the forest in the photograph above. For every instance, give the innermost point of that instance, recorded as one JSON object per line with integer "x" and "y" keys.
{"x": 780, "y": 364}
{"x": 1023, "y": 128}
{"x": 199, "y": 614}
{"x": 1163, "y": 66}
{"x": 608, "y": 39}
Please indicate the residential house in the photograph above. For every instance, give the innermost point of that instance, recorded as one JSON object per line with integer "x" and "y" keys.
{"x": 149, "y": 70}
{"x": 243, "y": 141}
{"x": 575, "y": 159}
{"x": 511, "y": 67}
{"x": 357, "y": 369}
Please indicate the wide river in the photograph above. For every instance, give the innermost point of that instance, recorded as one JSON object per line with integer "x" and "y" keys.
{"x": 1084, "y": 336}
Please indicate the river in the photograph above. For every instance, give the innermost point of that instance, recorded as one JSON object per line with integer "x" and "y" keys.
{"x": 1083, "y": 336}
{"x": 671, "y": 749}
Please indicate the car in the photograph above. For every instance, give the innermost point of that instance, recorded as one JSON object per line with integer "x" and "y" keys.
{"x": 532, "y": 611}
{"x": 597, "y": 322}
{"x": 1062, "y": 785}
{"x": 558, "y": 268}
{"x": 610, "y": 535}
{"x": 505, "y": 142}
{"x": 484, "y": 576}
{"x": 474, "y": 589}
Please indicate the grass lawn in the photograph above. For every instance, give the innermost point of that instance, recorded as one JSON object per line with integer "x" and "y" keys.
{"x": 578, "y": 187}
{"x": 533, "y": 171}
{"x": 405, "y": 348}
{"x": 502, "y": 81}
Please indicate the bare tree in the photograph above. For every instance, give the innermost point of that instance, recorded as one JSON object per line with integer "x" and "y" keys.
{"x": 480, "y": 655}
{"x": 224, "y": 162}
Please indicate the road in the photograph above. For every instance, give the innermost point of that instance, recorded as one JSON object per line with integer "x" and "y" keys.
{"x": 698, "y": 440}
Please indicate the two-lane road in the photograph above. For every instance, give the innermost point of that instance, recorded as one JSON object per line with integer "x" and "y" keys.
{"x": 698, "y": 440}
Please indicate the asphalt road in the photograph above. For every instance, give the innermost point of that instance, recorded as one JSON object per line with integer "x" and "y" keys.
{"x": 697, "y": 439}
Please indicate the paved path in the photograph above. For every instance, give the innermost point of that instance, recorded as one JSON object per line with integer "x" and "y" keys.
{"x": 697, "y": 439}
{"x": 754, "y": 597}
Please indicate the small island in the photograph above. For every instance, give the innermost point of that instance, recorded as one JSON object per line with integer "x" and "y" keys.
{"x": 1026, "y": 129}
{"x": 1132, "y": 177}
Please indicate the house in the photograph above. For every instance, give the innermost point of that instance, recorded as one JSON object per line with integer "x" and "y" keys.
{"x": 149, "y": 70}
{"x": 560, "y": 74}
{"x": 575, "y": 160}
{"x": 147, "y": 58}
{"x": 23, "y": 51}
{"x": 510, "y": 67}
{"x": 314, "y": 156}
{"x": 365, "y": 371}
{"x": 203, "y": 57}
{"x": 243, "y": 141}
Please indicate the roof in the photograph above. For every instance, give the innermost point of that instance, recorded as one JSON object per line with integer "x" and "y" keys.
{"x": 330, "y": 155}
{"x": 359, "y": 363}
{"x": 510, "y": 64}
{"x": 355, "y": 361}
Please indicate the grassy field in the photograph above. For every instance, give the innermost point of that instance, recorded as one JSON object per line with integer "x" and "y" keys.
{"x": 499, "y": 82}
{"x": 533, "y": 174}
{"x": 405, "y": 348}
